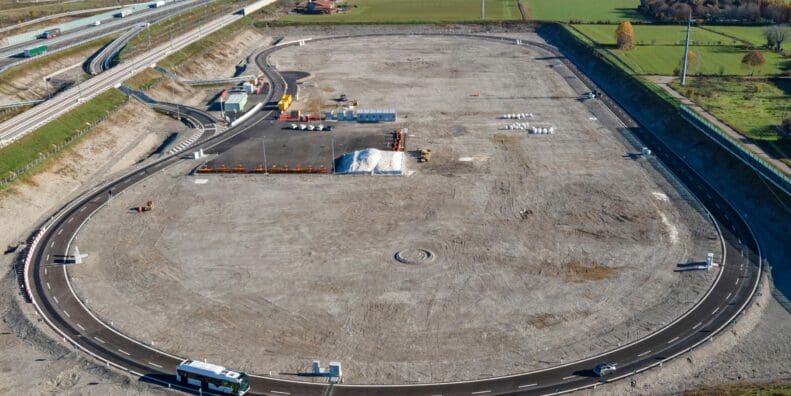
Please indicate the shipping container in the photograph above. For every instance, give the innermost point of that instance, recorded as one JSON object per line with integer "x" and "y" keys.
{"x": 35, "y": 51}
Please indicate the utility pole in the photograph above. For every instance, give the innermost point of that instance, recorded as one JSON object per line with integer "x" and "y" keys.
{"x": 686, "y": 51}
{"x": 483, "y": 9}
{"x": 266, "y": 170}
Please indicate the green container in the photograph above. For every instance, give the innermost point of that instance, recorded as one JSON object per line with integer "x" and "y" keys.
{"x": 30, "y": 52}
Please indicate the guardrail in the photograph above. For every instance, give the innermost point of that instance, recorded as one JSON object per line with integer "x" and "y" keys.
{"x": 20, "y": 104}
{"x": 247, "y": 77}
{"x": 760, "y": 165}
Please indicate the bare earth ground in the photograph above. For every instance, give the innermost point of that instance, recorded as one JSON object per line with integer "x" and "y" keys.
{"x": 546, "y": 247}
{"x": 29, "y": 364}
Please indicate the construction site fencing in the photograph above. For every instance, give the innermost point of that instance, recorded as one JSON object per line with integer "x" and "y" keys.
{"x": 44, "y": 156}
{"x": 261, "y": 169}
{"x": 760, "y": 165}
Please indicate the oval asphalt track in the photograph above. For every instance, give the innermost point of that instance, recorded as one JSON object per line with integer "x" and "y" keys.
{"x": 46, "y": 281}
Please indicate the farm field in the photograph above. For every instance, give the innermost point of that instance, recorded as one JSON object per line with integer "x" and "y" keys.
{"x": 659, "y": 51}
{"x": 752, "y": 34}
{"x": 407, "y": 11}
{"x": 753, "y": 108}
{"x": 583, "y": 10}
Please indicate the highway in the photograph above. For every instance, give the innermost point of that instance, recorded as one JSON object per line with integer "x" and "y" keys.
{"x": 28, "y": 121}
{"x": 47, "y": 283}
{"x": 11, "y": 55}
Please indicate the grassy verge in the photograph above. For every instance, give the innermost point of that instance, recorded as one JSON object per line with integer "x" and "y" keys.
{"x": 412, "y": 11}
{"x": 608, "y": 11}
{"x": 753, "y": 107}
{"x": 13, "y": 12}
{"x": 144, "y": 80}
{"x": 37, "y": 63}
{"x": 206, "y": 43}
{"x": 58, "y": 134}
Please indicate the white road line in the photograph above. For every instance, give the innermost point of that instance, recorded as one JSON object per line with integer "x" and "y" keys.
{"x": 481, "y": 392}
{"x": 673, "y": 340}
{"x": 98, "y": 339}
{"x": 66, "y": 313}
{"x": 526, "y": 385}
{"x": 80, "y": 326}
{"x": 52, "y": 244}
{"x": 124, "y": 352}
{"x": 280, "y": 392}
{"x": 48, "y": 286}
{"x": 70, "y": 219}
{"x": 644, "y": 353}
{"x": 696, "y": 326}
{"x": 56, "y": 300}
{"x": 154, "y": 364}
{"x": 728, "y": 296}
{"x": 83, "y": 208}
{"x": 737, "y": 281}
{"x": 569, "y": 377}
{"x": 46, "y": 259}
{"x": 715, "y": 311}
{"x": 45, "y": 268}
{"x": 60, "y": 231}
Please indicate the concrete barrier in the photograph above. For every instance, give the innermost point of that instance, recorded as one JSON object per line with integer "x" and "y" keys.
{"x": 247, "y": 115}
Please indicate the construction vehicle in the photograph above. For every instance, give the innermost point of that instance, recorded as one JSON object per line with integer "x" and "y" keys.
{"x": 149, "y": 207}
{"x": 425, "y": 155}
{"x": 285, "y": 102}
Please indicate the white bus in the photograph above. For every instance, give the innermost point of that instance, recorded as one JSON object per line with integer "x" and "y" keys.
{"x": 212, "y": 377}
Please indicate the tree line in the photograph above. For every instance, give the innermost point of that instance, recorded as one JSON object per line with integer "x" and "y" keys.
{"x": 742, "y": 11}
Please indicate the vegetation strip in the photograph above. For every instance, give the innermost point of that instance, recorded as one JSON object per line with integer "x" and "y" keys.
{"x": 36, "y": 148}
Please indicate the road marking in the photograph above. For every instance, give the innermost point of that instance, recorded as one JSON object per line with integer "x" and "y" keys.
{"x": 80, "y": 326}
{"x": 156, "y": 365}
{"x": 481, "y": 392}
{"x": 673, "y": 340}
{"x": 46, "y": 259}
{"x": 526, "y": 385}
{"x": 83, "y": 208}
{"x": 715, "y": 311}
{"x": 98, "y": 339}
{"x": 737, "y": 281}
{"x": 696, "y": 326}
{"x": 124, "y": 352}
{"x": 56, "y": 300}
{"x": 45, "y": 268}
{"x": 66, "y": 313}
{"x": 70, "y": 219}
{"x": 48, "y": 286}
{"x": 644, "y": 353}
{"x": 60, "y": 231}
{"x": 52, "y": 244}
{"x": 280, "y": 392}
{"x": 728, "y": 296}
{"x": 569, "y": 377}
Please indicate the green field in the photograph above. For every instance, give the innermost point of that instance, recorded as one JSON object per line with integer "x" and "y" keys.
{"x": 753, "y": 107}
{"x": 57, "y": 132}
{"x": 752, "y": 34}
{"x": 417, "y": 11}
{"x": 583, "y": 10}
{"x": 659, "y": 51}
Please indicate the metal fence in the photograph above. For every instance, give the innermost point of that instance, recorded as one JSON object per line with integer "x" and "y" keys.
{"x": 760, "y": 165}
{"x": 43, "y": 156}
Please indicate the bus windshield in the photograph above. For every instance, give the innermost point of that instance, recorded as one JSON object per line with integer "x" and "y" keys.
{"x": 244, "y": 384}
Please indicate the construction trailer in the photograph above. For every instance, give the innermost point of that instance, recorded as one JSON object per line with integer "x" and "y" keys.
{"x": 236, "y": 102}
{"x": 35, "y": 51}
{"x": 285, "y": 102}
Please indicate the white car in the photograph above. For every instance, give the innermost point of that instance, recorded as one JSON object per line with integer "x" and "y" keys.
{"x": 603, "y": 369}
{"x": 97, "y": 23}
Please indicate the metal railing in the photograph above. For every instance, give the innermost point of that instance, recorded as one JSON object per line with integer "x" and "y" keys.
{"x": 760, "y": 165}
{"x": 219, "y": 80}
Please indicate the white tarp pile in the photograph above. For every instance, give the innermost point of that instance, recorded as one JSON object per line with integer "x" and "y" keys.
{"x": 372, "y": 161}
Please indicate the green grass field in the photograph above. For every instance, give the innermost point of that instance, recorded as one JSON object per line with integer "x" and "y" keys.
{"x": 659, "y": 51}
{"x": 752, "y": 107}
{"x": 413, "y": 11}
{"x": 752, "y": 34}
{"x": 57, "y": 132}
{"x": 583, "y": 10}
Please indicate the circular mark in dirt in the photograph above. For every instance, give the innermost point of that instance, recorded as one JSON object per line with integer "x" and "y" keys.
{"x": 414, "y": 256}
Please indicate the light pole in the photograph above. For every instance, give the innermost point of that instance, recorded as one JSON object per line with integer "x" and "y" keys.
{"x": 686, "y": 50}
{"x": 483, "y": 8}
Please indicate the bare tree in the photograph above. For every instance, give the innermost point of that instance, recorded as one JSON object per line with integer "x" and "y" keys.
{"x": 775, "y": 36}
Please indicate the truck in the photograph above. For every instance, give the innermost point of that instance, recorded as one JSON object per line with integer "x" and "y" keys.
{"x": 52, "y": 33}
{"x": 157, "y": 4}
{"x": 34, "y": 51}
{"x": 122, "y": 13}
